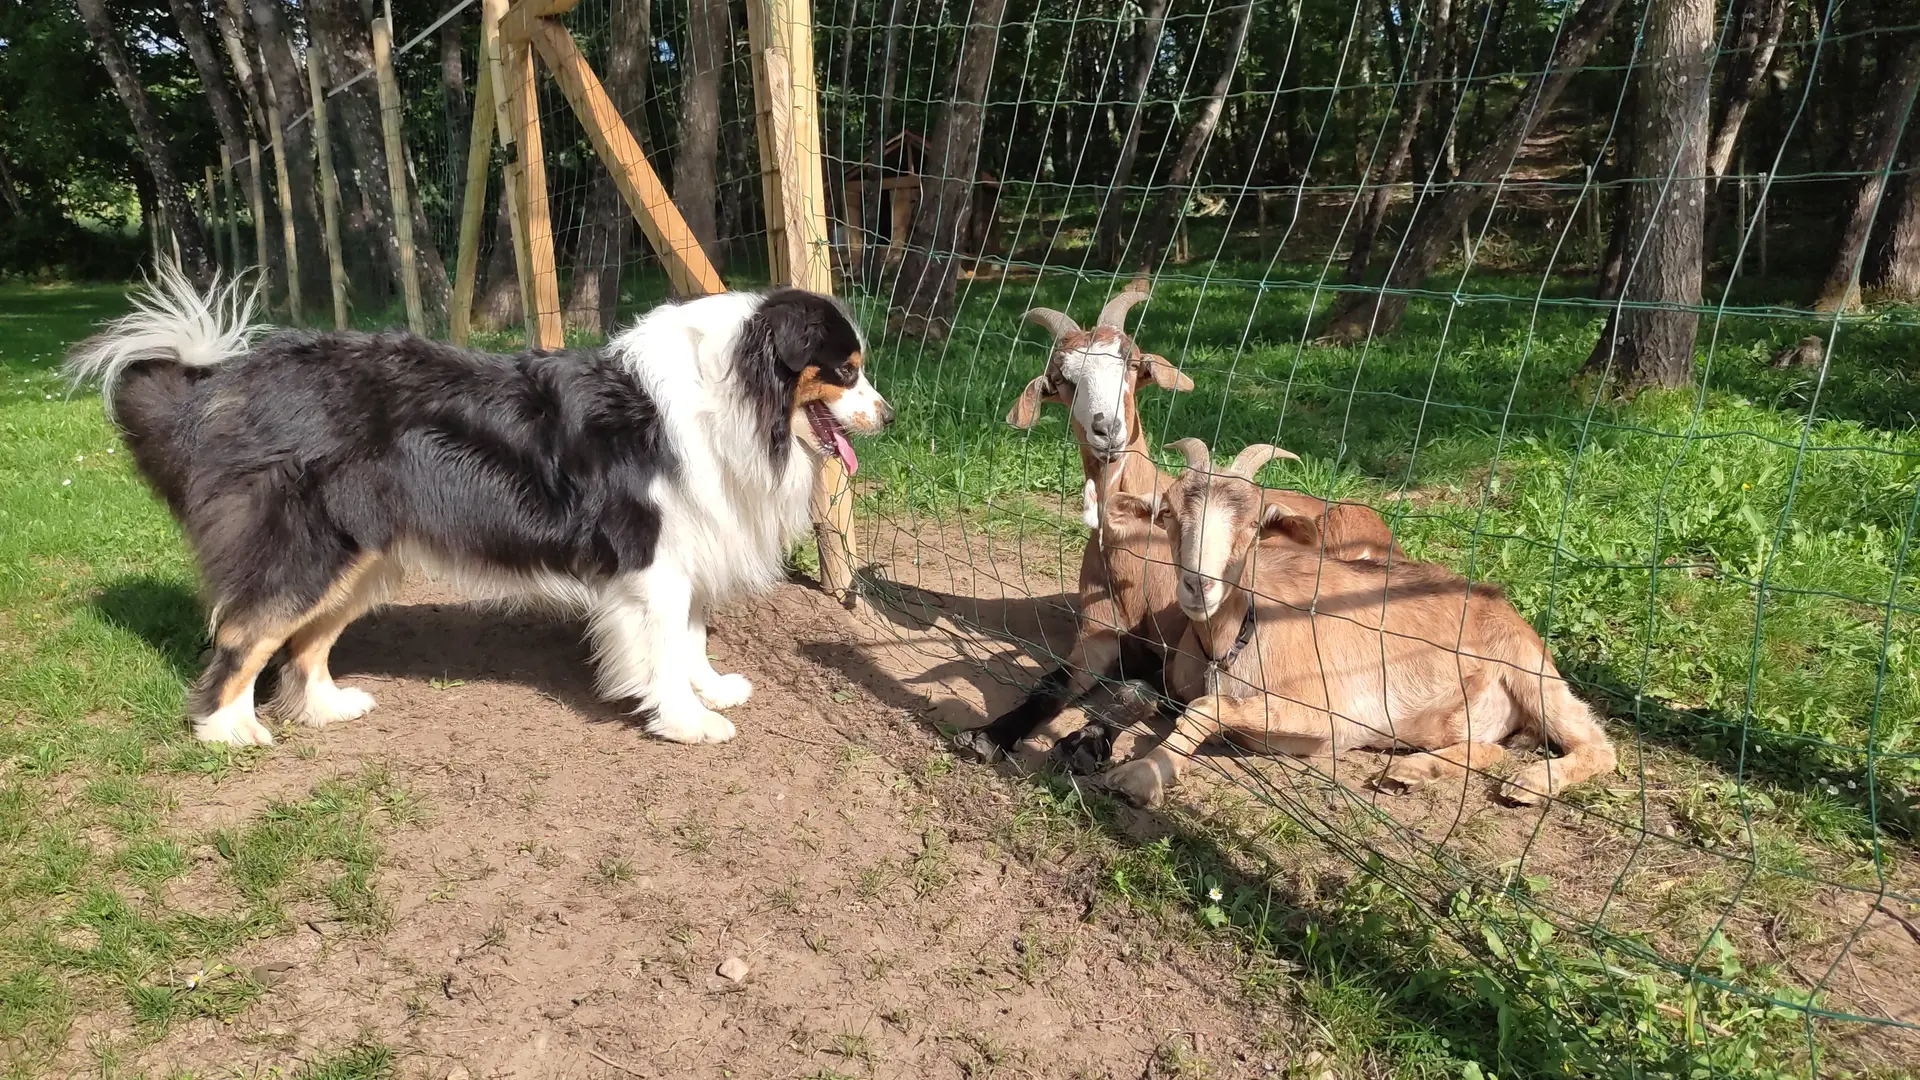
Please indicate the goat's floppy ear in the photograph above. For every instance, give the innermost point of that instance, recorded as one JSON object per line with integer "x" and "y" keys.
{"x": 1277, "y": 522}
{"x": 1126, "y": 506}
{"x": 1027, "y": 409}
{"x": 1164, "y": 374}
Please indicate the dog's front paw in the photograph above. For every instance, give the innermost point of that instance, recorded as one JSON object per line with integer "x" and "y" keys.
{"x": 690, "y": 724}
{"x": 723, "y": 691}
{"x": 1143, "y": 782}
{"x": 235, "y": 725}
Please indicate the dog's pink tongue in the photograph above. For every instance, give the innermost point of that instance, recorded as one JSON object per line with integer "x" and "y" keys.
{"x": 845, "y": 449}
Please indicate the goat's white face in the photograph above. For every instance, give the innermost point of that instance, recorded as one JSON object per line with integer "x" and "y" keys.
{"x": 1212, "y": 520}
{"x": 1097, "y": 381}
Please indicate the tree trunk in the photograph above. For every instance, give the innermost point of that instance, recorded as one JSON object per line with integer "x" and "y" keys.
{"x": 1169, "y": 209}
{"x": 1430, "y": 233}
{"x": 923, "y": 294}
{"x": 872, "y": 195}
{"x": 593, "y": 299}
{"x": 1648, "y": 341}
{"x": 498, "y": 306}
{"x": 1895, "y": 265}
{"x": 1755, "y": 37}
{"x": 236, "y": 34}
{"x": 342, "y": 33}
{"x": 1153, "y": 25}
{"x": 453, "y": 83}
{"x": 168, "y": 192}
{"x": 1375, "y": 213}
{"x": 285, "y": 87}
{"x": 694, "y": 167}
{"x": 228, "y": 116}
{"x": 1872, "y": 154}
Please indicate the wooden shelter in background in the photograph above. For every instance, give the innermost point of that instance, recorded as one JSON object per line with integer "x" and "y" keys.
{"x": 902, "y": 159}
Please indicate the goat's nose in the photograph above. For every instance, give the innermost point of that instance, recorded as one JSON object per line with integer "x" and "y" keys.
{"x": 1105, "y": 427}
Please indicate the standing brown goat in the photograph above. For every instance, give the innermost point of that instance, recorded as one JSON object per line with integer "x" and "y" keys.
{"x": 1128, "y": 615}
{"x": 1309, "y": 656}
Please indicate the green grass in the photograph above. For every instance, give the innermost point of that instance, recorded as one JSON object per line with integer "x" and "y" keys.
{"x": 99, "y": 632}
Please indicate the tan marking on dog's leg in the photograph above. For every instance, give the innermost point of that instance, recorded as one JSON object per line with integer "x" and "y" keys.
{"x": 308, "y": 694}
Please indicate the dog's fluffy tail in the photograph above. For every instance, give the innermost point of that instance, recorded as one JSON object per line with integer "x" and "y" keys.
{"x": 172, "y": 323}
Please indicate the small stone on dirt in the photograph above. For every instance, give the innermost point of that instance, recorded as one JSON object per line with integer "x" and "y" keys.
{"x": 733, "y": 969}
{"x": 459, "y": 1072}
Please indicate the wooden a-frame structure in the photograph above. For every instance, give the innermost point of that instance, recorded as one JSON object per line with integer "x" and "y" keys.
{"x": 780, "y": 32}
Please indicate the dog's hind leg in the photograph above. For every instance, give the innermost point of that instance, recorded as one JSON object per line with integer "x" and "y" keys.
{"x": 715, "y": 690}
{"x": 307, "y": 693}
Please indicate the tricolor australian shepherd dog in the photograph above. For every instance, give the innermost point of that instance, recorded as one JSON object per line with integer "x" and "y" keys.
{"x": 639, "y": 484}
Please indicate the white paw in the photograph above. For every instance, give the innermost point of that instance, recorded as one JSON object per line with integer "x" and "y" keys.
{"x": 723, "y": 691}
{"x": 690, "y": 723}
{"x": 328, "y": 704}
{"x": 235, "y": 724}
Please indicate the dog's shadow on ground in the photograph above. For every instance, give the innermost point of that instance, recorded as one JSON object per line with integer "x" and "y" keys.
{"x": 420, "y": 641}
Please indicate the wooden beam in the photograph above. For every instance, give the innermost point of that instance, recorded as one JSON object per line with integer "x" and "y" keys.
{"x": 391, "y": 112}
{"x": 473, "y": 210}
{"x": 781, "y": 36}
{"x": 329, "y": 190}
{"x": 688, "y": 267}
{"x": 495, "y": 59}
{"x": 758, "y": 42}
{"x": 518, "y": 25}
{"x": 285, "y": 187}
{"x": 549, "y": 332}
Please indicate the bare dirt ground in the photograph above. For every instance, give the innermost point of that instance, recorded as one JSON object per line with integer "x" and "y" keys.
{"x": 564, "y": 904}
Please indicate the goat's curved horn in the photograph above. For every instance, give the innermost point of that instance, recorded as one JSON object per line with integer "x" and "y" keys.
{"x": 1115, "y": 313}
{"x": 1196, "y": 453}
{"x": 1255, "y": 457}
{"x": 1057, "y": 323}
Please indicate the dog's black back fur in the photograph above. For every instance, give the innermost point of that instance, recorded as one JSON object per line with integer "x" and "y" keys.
{"x": 288, "y": 462}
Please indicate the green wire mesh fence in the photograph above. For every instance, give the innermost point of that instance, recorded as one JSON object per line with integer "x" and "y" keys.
{"x": 1429, "y": 246}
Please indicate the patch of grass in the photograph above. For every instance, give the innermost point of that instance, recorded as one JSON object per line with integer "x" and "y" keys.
{"x": 364, "y": 1060}
{"x": 99, "y": 633}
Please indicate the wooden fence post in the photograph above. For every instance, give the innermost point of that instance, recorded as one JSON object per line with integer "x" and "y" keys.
{"x": 549, "y": 331}
{"x": 233, "y": 210}
{"x": 259, "y": 208}
{"x": 329, "y": 190}
{"x": 491, "y": 12}
{"x": 390, "y": 117}
{"x": 473, "y": 210}
{"x": 781, "y": 36}
{"x": 285, "y": 183}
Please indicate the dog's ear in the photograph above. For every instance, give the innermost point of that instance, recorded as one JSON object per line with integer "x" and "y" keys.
{"x": 1164, "y": 374}
{"x": 1027, "y": 409}
{"x": 799, "y": 325}
{"x": 1297, "y": 528}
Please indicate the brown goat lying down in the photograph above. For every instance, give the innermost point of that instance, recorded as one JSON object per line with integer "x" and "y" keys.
{"x": 1333, "y": 655}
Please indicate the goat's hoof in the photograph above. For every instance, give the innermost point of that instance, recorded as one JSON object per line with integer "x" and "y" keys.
{"x": 1406, "y": 775}
{"x": 975, "y": 745}
{"x": 1142, "y": 782}
{"x": 1085, "y": 751}
{"x": 1530, "y": 786}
